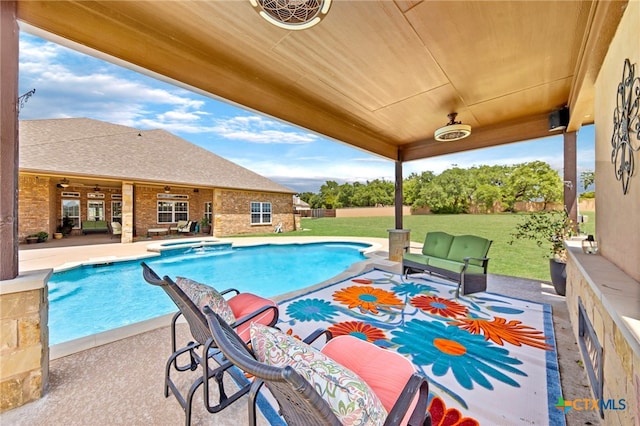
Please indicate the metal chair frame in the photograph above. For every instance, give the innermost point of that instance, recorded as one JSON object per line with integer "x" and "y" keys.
{"x": 202, "y": 352}
{"x": 299, "y": 402}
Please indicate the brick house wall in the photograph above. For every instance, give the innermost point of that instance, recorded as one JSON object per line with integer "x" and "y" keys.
{"x": 34, "y": 211}
{"x": 146, "y": 205}
{"x": 40, "y": 207}
{"x": 232, "y": 212}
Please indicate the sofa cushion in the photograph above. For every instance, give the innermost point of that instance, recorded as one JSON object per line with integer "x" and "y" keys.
{"x": 468, "y": 246}
{"x": 349, "y": 396}
{"x": 437, "y": 244}
{"x": 455, "y": 266}
{"x": 417, "y": 258}
{"x": 449, "y": 265}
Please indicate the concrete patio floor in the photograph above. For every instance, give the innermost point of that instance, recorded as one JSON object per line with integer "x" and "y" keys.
{"x": 122, "y": 382}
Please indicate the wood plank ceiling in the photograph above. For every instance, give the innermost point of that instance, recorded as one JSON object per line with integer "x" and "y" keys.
{"x": 378, "y": 75}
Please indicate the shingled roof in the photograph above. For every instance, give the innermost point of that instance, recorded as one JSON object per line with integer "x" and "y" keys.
{"x": 86, "y": 147}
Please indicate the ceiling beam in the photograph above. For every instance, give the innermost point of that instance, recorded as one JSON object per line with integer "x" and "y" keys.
{"x": 522, "y": 129}
{"x": 603, "y": 20}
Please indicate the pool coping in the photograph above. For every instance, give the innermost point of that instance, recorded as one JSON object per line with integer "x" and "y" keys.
{"x": 373, "y": 254}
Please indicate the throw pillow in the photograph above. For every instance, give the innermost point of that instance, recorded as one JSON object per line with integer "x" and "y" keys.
{"x": 349, "y": 397}
{"x": 203, "y": 295}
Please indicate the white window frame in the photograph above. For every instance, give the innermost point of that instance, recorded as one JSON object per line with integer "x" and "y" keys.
{"x": 208, "y": 211}
{"x": 65, "y": 212}
{"x": 116, "y": 217}
{"x": 100, "y": 203}
{"x": 171, "y": 214}
{"x": 261, "y": 213}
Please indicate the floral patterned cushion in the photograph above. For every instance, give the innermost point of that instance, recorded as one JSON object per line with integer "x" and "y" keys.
{"x": 349, "y": 396}
{"x": 203, "y": 295}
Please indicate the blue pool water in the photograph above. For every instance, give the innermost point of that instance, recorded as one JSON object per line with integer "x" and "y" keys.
{"x": 91, "y": 299}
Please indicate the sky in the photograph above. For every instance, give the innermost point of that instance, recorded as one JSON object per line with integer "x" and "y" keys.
{"x": 70, "y": 84}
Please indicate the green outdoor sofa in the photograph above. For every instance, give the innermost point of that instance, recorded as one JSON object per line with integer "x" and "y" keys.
{"x": 460, "y": 258}
{"x": 94, "y": 226}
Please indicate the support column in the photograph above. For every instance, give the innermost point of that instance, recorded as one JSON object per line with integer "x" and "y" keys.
{"x": 398, "y": 238}
{"x": 24, "y": 307}
{"x": 398, "y": 195}
{"x": 9, "y": 162}
{"x": 571, "y": 177}
{"x": 127, "y": 212}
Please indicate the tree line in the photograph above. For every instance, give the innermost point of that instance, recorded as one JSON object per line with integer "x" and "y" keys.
{"x": 455, "y": 190}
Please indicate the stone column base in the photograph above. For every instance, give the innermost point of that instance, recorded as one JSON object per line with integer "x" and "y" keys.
{"x": 398, "y": 242}
{"x": 24, "y": 339}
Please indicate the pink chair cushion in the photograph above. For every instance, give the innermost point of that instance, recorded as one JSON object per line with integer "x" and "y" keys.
{"x": 386, "y": 372}
{"x": 246, "y": 303}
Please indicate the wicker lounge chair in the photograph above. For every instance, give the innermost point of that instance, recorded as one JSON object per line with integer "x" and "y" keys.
{"x": 247, "y": 307}
{"x": 301, "y": 404}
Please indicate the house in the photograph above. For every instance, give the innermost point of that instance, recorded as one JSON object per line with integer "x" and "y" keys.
{"x": 301, "y": 207}
{"x": 90, "y": 170}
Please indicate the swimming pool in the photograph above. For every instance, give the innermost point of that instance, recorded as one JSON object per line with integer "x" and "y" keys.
{"x": 95, "y": 298}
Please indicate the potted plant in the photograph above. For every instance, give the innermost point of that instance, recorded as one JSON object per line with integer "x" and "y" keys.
{"x": 205, "y": 226}
{"x": 67, "y": 225}
{"x": 31, "y": 239}
{"x": 42, "y": 236}
{"x": 550, "y": 228}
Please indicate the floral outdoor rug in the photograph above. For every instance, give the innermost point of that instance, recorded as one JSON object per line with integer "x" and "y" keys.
{"x": 490, "y": 359}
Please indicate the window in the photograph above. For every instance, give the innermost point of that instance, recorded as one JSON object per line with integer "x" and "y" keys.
{"x": 208, "y": 211}
{"x": 172, "y": 211}
{"x": 95, "y": 210}
{"x": 71, "y": 209}
{"x": 260, "y": 213}
{"x": 116, "y": 211}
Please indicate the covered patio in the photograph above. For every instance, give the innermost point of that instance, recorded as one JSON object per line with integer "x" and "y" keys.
{"x": 82, "y": 395}
{"x": 383, "y": 76}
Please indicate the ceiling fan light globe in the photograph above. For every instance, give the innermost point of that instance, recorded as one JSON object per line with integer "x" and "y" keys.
{"x": 452, "y": 132}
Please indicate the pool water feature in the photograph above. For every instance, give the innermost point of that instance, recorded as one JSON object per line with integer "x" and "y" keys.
{"x": 96, "y": 298}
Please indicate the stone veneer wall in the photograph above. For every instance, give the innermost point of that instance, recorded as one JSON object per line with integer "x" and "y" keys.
{"x": 24, "y": 339}
{"x": 232, "y": 212}
{"x": 621, "y": 364}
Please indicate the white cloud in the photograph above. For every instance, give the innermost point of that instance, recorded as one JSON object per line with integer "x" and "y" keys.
{"x": 256, "y": 129}
{"x": 70, "y": 84}
{"x": 320, "y": 170}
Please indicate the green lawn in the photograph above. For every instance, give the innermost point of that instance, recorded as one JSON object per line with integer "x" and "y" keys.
{"x": 522, "y": 259}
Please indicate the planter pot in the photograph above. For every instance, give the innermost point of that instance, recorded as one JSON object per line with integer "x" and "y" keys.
{"x": 32, "y": 240}
{"x": 206, "y": 230}
{"x": 57, "y": 235}
{"x": 558, "y": 276}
